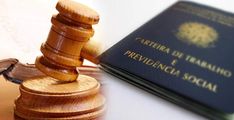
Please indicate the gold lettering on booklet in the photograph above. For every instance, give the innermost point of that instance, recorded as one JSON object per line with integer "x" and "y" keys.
{"x": 178, "y": 55}
{"x": 208, "y": 66}
{"x": 200, "y": 82}
{"x": 153, "y": 63}
{"x": 171, "y": 70}
{"x": 154, "y": 45}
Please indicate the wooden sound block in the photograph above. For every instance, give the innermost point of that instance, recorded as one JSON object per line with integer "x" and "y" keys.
{"x": 51, "y": 99}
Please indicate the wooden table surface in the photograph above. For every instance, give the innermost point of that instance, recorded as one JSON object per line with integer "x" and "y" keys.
{"x": 8, "y": 93}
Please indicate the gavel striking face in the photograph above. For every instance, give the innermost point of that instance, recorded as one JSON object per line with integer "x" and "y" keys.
{"x": 71, "y": 30}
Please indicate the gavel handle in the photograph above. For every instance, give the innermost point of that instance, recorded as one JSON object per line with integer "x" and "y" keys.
{"x": 16, "y": 72}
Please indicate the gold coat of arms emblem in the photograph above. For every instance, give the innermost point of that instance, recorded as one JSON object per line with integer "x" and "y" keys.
{"x": 198, "y": 34}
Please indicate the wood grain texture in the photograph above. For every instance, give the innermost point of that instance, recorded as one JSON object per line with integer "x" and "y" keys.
{"x": 48, "y": 98}
{"x": 71, "y": 30}
{"x": 77, "y": 11}
{"x": 56, "y": 92}
{"x": 20, "y": 72}
{"x": 17, "y": 72}
{"x": 5, "y": 64}
{"x": 7, "y": 100}
{"x": 54, "y": 70}
{"x": 64, "y": 95}
{"x": 91, "y": 51}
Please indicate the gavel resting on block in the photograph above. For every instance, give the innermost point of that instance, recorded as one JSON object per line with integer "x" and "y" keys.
{"x": 63, "y": 94}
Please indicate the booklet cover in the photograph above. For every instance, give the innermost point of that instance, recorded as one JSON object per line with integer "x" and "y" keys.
{"x": 183, "y": 55}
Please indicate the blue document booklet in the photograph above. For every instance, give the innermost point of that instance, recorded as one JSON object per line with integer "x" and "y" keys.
{"x": 185, "y": 55}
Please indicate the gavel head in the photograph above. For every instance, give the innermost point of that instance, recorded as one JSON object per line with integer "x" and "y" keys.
{"x": 71, "y": 30}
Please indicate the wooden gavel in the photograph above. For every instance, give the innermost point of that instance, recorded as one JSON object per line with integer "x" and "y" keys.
{"x": 62, "y": 93}
{"x": 66, "y": 45}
